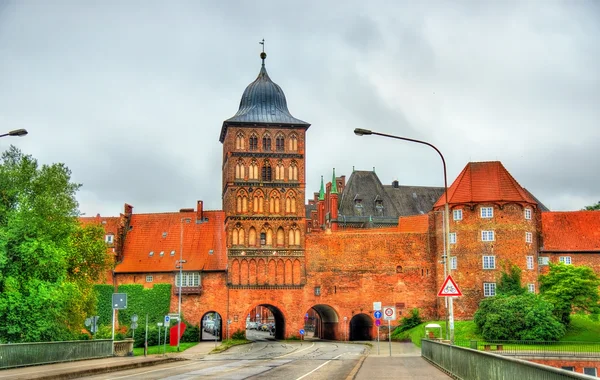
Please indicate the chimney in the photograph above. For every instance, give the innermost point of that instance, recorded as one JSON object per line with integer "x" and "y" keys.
{"x": 128, "y": 209}
{"x": 200, "y": 211}
{"x": 395, "y": 184}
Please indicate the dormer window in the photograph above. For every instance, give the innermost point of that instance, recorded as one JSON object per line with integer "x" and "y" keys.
{"x": 379, "y": 205}
{"x": 109, "y": 239}
{"x": 358, "y": 206}
{"x": 151, "y": 253}
{"x": 172, "y": 253}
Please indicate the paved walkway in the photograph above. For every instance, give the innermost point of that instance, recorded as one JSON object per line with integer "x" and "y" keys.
{"x": 405, "y": 363}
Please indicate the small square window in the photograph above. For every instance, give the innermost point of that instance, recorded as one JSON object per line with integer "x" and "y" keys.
{"x": 529, "y": 262}
{"x": 489, "y": 262}
{"x": 487, "y": 212}
{"x": 317, "y": 290}
{"x": 528, "y": 213}
{"x": 543, "y": 260}
{"x": 487, "y": 235}
{"x": 528, "y": 237}
{"x": 149, "y": 278}
{"x": 531, "y": 288}
{"x": 457, "y": 214}
{"x": 590, "y": 371}
{"x": 489, "y": 289}
{"x": 452, "y": 237}
{"x": 109, "y": 238}
{"x": 453, "y": 263}
{"x": 565, "y": 260}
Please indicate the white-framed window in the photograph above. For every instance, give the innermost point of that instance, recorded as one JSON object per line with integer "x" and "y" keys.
{"x": 489, "y": 262}
{"x": 565, "y": 260}
{"x": 317, "y": 290}
{"x": 487, "y": 235}
{"x": 189, "y": 279}
{"x": 529, "y": 262}
{"x": 489, "y": 289}
{"x": 453, "y": 263}
{"x": 528, "y": 237}
{"x": 487, "y": 212}
{"x": 457, "y": 214}
{"x": 109, "y": 239}
{"x": 528, "y": 213}
{"x": 531, "y": 288}
{"x": 149, "y": 278}
{"x": 543, "y": 260}
{"x": 452, "y": 237}
{"x": 591, "y": 371}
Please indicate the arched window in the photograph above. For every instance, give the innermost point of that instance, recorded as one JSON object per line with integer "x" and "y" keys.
{"x": 293, "y": 142}
{"x": 267, "y": 142}
{"x": 266, "y": 171}
{"x": 239, "y": 141}
{"x": 279, "y": 143}
{"x": 293, "y": 171}
{"x": 238, "y": 235}
{"x": 266, "y": 235}
{"x": 253, "y": 170}
{"x": 258, "y": 202}
{"x": 279, "y": 171}
{"x": 290, "y": 203}
{"x": 294, "y": 235}
{"x": 274, "y": 202}
{"x": 242, "y": 202}
{"x": 240, "y": 170}
{"x": 253, "y": 143}
{"x": 252, "y": 237}
{"x": 280, "y": 237}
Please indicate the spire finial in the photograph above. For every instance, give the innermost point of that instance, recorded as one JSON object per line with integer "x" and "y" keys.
{"x": 263, "y": 55}
{"x": 334, "y": 189}
{"x": 322, "y": 191}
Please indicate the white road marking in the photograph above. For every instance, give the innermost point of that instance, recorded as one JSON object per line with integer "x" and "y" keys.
{"x": 161, "y": 369}
{"x": 294, "y": 352}
{"x": 302, "y": 377}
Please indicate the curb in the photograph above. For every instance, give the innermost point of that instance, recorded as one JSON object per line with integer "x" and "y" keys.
{"x": 356, "y": 368}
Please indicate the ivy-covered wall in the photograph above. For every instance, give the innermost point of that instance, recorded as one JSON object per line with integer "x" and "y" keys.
{"x": 155, "y": 302}
{"x": 104, "y": 307}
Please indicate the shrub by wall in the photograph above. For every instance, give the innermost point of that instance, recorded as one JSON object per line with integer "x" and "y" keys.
{"x": 155, "y": 302}
{"x": 104, "y": 304}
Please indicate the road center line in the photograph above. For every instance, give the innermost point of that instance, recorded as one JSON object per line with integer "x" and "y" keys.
{"x": 294, "y": 352}
{"x": 302, "y": 377}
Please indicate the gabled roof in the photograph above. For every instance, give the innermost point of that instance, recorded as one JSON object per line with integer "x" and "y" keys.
{"x": 413, "y": 200}
{"x": 577, "y": 231}
{"x": 414, "y": 224}
{"x": 162, "y": 233}
{"x": 110, "y": 223}
{"x": 485, "y": 182}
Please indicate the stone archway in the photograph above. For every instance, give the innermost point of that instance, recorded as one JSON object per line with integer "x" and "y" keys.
{"x": 265, "y": 321}
{"x": 211, "y": 326}
{"x": 361, "y": 327}
{"x": 321, "y": 321}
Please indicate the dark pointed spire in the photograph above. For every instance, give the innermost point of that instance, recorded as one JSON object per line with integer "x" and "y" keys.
{"x": 322, "y": 191}
{"x": 334, "y": 189}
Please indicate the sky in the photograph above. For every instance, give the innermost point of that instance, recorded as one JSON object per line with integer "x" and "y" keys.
{"x": 131, "y": 95}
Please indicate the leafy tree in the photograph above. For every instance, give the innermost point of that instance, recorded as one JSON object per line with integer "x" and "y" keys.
{"x": 510, "y": 283}
{"x": 593, "y": 207}
{"x": 517, "y": 317}
{"x": 570, "y": 288}
{"x": 48, "y": 261}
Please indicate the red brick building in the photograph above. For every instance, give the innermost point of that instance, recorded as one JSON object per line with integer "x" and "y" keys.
{"x": 355, "y": 243}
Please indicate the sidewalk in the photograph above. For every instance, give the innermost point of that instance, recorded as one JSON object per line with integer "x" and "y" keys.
{"x": 405, "y": 362}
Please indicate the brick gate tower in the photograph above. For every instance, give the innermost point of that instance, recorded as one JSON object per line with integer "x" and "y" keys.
{"x": 263, "y": 197}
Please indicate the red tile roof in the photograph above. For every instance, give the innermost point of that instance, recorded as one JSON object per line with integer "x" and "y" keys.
{"x": 110, "y": 223}
{"x": 414, "y": 224}
{"x": 162, "y": 233}
{"x": 485, "y": 182}
{"x": 571, "y": 231}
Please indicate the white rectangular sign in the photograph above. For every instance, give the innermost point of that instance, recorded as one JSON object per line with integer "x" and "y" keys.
{"x": 389, "y": 313}
{"x": 376, "y": 306}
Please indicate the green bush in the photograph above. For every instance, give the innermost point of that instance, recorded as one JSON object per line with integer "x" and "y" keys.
{"x": 191, "y": 334}
{"x": 239, "y": 335}
{"x": 155, "y": 302}
{"x": 517, "y": 317}
{"x": 411, "y": 321}
{"x": 104, "y": 304}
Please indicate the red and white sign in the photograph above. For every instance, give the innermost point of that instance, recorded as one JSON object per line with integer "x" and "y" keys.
{"x": 449, "y": 289}
{"x": 389, "y": 313}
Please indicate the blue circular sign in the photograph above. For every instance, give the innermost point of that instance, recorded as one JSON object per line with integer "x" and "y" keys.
{"x": 378, "y": 314}
{"x": 301, "y": 331}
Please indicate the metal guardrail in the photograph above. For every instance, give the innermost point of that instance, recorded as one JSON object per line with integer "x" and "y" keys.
{"x": 531, "y": 348}
{"x": 470, "y": 364}
{"x": 25, "y": 354}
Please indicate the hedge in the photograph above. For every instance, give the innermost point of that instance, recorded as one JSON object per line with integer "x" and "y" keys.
{"x": 104, "y": 304}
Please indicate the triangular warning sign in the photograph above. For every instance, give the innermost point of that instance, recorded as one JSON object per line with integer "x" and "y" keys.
{"x": 449, "y": 289}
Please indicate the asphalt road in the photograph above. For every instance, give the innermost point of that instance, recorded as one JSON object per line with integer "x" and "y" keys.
{"x": 259, "y": 360}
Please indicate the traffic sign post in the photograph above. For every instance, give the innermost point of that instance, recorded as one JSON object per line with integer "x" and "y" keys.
{"x": 119, "y": 301}
{"x": 302, "y": 332}
{"x": 389, "y": 314}
{"x": 449, "y": 288}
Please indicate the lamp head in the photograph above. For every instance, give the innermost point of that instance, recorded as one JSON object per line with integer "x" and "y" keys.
{"x": 362, "y": 132}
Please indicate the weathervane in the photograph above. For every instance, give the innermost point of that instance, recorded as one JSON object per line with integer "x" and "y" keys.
{"x": 263, "y": 55}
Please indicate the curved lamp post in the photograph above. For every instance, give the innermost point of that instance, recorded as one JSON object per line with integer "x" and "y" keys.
{"x": 16, "y": 132}
{"x": 446, "y": 233}
{"x": 179, "y": 265}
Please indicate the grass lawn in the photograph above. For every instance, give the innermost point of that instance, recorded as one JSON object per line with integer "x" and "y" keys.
{"x": 154, "y": 350}
{"x": 228, "y": 343}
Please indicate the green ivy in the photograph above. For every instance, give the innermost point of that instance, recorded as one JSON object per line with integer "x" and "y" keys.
{"x": 104, "y": 306}
{"x": 155, "y": 302}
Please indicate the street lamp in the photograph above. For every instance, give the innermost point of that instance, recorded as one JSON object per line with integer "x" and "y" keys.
{"x": 446, "y": 222}
{"x": 179, "y": 265}
{"x": 16, "y": 132}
